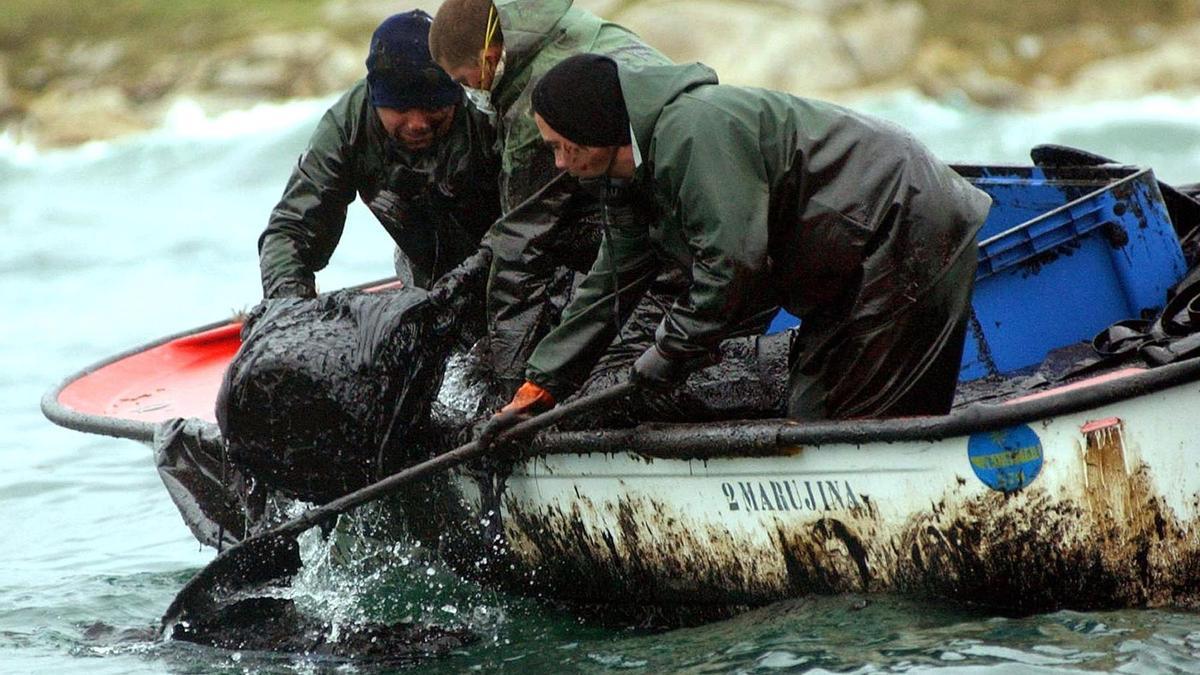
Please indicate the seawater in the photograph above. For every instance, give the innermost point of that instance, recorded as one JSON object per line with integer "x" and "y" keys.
{"x": 111, "y": 245}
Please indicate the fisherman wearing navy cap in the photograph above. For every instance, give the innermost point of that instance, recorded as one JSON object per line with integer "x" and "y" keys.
{"x": 405, "y": 141}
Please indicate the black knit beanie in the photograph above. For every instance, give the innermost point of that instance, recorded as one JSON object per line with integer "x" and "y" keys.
{"x": 400, "y": 72}
{"x": 581, "y": 99}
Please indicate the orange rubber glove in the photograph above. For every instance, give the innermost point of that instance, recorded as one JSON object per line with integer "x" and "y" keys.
{"x": 529, "y": 400}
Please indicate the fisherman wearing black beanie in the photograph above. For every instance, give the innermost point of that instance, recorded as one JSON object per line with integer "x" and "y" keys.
{"x": 580, "y": 112}
{"x": 843, "y": 219}
{"x": 581, "y": 99}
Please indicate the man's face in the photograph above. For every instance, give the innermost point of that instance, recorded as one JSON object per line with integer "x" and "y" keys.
{"x": 479, "y": 74}
{"x": 416, "y": 128}
{"x": 581, "y": 161}
{"x": 468, "y": 75}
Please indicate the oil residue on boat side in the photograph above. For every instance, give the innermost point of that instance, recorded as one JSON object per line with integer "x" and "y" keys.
{"x": 1021, "y": 552}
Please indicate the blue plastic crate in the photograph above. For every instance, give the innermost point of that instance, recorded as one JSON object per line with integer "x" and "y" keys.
{"x": 1101, "y": 249}
{"x": 1064, "y": 253}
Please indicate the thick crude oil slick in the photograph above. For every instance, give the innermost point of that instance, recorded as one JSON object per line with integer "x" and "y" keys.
{"x": 273, "y": 624}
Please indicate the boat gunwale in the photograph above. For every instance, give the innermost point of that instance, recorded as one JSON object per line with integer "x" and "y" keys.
{"x": 784, "y": 437}
{"x": 724, "y": 439}
{"x": 101, "y": 424}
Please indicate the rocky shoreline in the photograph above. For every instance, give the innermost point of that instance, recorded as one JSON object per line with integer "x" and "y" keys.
{"x": 79, "y": 89}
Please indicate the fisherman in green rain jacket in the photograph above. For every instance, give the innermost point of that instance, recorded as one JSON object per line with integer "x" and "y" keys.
{"x": 847, "y": 221}
{"x": 407, "y": 142}
{"x": 551, "y": 229}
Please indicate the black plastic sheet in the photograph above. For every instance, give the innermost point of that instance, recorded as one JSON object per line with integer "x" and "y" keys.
{"x": 212, "y": 497}
{"x": 327, "y": 395}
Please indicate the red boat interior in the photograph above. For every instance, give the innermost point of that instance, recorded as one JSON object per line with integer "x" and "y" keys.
{"x": 178, "y": 378}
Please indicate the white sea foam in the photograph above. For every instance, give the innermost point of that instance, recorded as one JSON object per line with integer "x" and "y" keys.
{"x": 1160, "y": 131}
{"x": 187, "y": 118}
{"x": 24, "y": 153}
{"x": 185, "y": 121}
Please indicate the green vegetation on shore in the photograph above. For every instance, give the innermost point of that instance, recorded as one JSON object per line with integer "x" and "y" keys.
{"x": 118, "y": 63}
{"x": 146, "y": 27}
{"x": 32, "y": 32}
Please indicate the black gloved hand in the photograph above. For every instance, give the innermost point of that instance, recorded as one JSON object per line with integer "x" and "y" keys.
{"x": 458, "y": 294}
{"x": 470, "y": 276}
{"x": 393, "y": 203}
{"x": 529, "y": 400}
{"x": 659, "y": 372}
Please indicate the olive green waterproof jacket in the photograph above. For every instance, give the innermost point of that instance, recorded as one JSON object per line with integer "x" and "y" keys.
{"x": 533, "y": 244}
{"x": 448, "y": 196}
{"x": 765, "y": 195}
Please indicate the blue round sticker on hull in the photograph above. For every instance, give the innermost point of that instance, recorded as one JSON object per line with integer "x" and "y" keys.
{"x": 1006, "y": 460}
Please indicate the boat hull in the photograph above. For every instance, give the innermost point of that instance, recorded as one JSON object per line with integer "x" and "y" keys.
{"x": 1084, "y": 495}
{"x": 1094, "y": 508}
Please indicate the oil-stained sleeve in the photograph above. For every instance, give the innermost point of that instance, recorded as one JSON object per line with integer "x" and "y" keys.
{"x": 711, "y": 162}
{"x": 622, "y": 273}
{"x": 305, "y": 226}
{"x": 523, "y": 244}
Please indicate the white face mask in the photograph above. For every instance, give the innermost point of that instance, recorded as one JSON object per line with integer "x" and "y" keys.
{"x": 482, "y": 98}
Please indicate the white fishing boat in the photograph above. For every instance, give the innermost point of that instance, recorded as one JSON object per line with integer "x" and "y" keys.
{"x": 1045, "y": 487}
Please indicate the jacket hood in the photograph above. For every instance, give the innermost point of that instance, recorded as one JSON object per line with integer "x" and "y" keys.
{"x": 527, "y": 26}
{"x": 650, "y": 89}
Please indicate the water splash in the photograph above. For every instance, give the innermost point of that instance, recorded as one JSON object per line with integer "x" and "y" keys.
{"x": 462, "y": 386}
{"x": 367, "y": 569}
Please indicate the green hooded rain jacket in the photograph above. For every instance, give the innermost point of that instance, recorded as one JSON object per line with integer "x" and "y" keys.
{"x": 845, "y": 220}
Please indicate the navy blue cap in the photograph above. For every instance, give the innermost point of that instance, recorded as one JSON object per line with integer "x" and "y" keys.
{"x": 400, "y": 72}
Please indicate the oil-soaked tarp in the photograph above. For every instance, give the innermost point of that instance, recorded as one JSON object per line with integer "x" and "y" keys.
{"x": 219, "y": 504}
{"x": 329, "y": 394}
{"x": 190, "y": 456}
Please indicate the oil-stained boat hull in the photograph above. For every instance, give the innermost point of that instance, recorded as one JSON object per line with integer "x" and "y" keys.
{"x": 1086, "y": 508}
